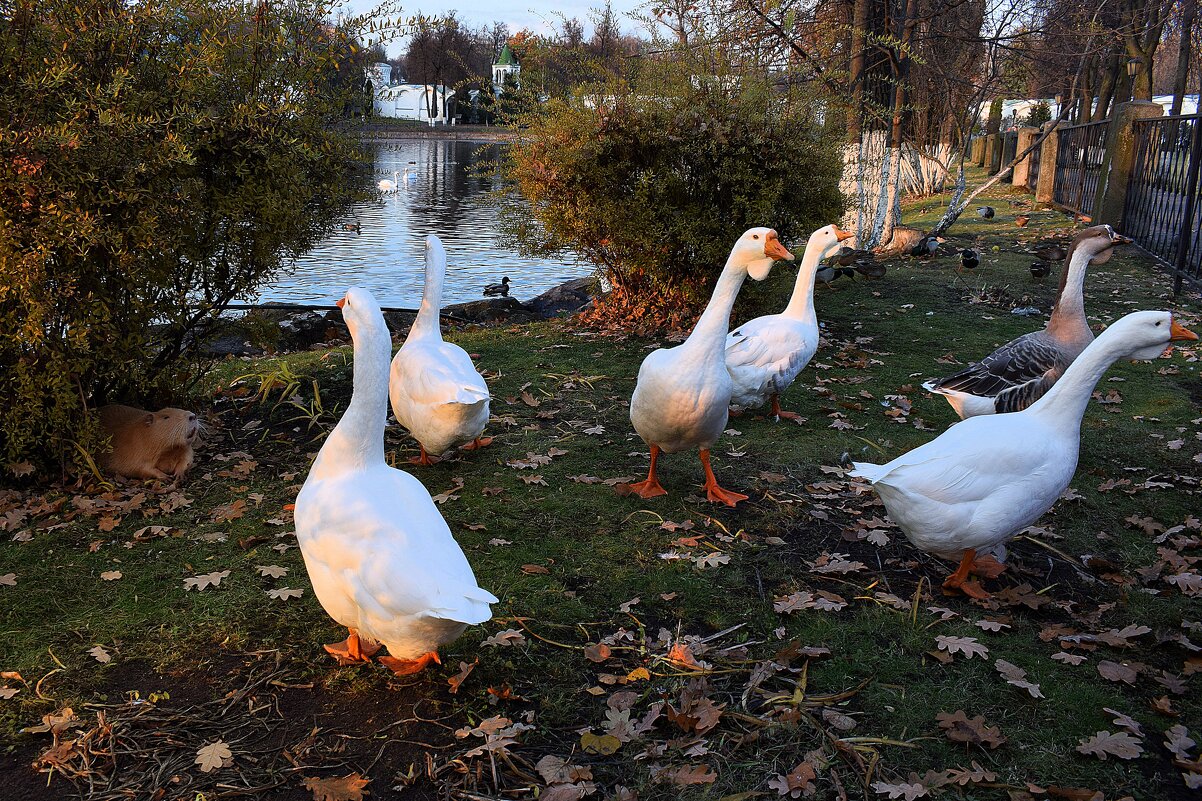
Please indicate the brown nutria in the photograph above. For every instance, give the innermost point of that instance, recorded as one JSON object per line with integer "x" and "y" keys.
{"x": 148, "y": 444}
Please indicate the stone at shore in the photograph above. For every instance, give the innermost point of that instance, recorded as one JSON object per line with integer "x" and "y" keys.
{"x": 569, "y": 297}
{"x": 268, "y": 328}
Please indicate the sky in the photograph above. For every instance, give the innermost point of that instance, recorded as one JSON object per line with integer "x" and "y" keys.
{"x": 536, "y": 15}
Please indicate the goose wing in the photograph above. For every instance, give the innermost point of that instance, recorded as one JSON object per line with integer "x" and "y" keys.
{"x": 440, "y": 372}
{"x": 767, "y": 357}
{"x": 1029, "y": 364}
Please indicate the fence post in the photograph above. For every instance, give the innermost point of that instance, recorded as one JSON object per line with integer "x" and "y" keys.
{"x": 993, "y": 153}
{"x": 1116, "y": 162}
{"x": 1045, "y": 183}
{"x": 1186, "y": 240}
{"x": 1022, "y": 170}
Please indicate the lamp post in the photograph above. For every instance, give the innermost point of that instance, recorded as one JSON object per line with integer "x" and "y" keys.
{"x": 1134, "y": 67}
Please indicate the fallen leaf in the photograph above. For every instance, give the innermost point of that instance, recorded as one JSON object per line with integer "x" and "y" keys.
{"x": 690, "y": 774}
{"x": 465, "y": 670}
{"x": 1128, "y": 723}
{"x": 8, "y": 580}
{"x": 597, "y": 653}
{"x": 531, "y": 570}
{"x": 345, "y": 788}
{"x": 275, "y": 571}
{"x": 1178, "y": 741}
{"x": 111, "y": 575}
{"x": 604, "y": 744}
{"x": 1071, "y": 659}
{"x": 969, "y": 646}
{"x": 284, "y": 593}
{"x": 1016, "y": 676}
{"x": 205, "y": 581}
{"x": 507, "y": 637}
{"x": 8, "y": 692}
{"x": 1113, "y": 671}
{"x": 213, "y": 756}
{"x": 100, "y": 655}
{"x": 962, "y": 729}
{"x": 1121, "y": 744}
{"x": 795, "y": 783}
{"x": 904, "y": 790}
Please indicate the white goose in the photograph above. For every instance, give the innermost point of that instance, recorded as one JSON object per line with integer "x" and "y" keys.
{"x": 765, "y": 355}
{"x": 435, "y": 389}
{"x": 381, "y": 559}
{"x": 682, "y": 397}
{"x": 983, "y": 480}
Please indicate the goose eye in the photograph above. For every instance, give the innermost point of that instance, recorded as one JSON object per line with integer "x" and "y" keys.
{"x": 755, "y": 236}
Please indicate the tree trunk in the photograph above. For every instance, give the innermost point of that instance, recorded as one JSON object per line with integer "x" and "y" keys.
{"x": 993, "y": 123}
{"x": 1189, "y": 12}
{"x": 1107, "y": 90}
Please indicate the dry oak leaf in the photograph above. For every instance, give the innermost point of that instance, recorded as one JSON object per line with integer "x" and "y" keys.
{"x": 1103, "y": 744}
{"x": 465, "y": 670}
{"x": 284, "y": 593}
{"x": 904, "y": 790}
{"x": 213, "y": 756}
{"x": 100, "y": 654}
{"x": 8, "y": 580}
{"x": 962, "y": 729}
{"x": 795, "y": 783}
{"x": 205, "y": 581}
{"x": 506, "y": 638}
{"x": 229, "y": 511}
{"x": 532, "y": 570}
{"x": 1178, "y": 741}
{"x": 969, "y": 646}
{"x": 1016, "y": 676}
{"x": 345, "y": 788}
{"x": 275, "y": 571}
{"x": 1128, "y": 723}
{"x": 597, "y": 653}
{"x": 8, "y": 692}
{"x": 690, "y": 774}
{"x": 1113, "y": 671}
{"x": 111, "y": 575}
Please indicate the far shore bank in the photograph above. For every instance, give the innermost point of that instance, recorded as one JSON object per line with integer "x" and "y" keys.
{"x": 474, "y": 133}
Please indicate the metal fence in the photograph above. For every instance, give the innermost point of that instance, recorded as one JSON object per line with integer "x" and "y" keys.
{"x": 1009, "y": 151}
{"x": 1079, "y": 165}
{"x": 1163, "y": 209}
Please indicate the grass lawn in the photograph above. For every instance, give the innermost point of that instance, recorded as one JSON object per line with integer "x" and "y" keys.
{"x": 638, "y": 650}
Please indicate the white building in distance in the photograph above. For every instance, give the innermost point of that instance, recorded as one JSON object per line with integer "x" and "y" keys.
{"x": 406, "y": 101}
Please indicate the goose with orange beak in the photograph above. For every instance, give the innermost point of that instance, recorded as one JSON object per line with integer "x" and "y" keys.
{"x": 967, "y": 492}
{"x": 682, "y": 397}
{"x": 765, "y": 355}
{"x": 380, "y": 556}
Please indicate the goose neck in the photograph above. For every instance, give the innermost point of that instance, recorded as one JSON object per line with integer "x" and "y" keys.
{"x": 714, "y": 323}
{"x": 427, "y": 322}
{"x": 1070, "y": 302}
{"x": 357, "y": 442}
{"x": 801, "y": 303}
{"x": 1066, "y": 401}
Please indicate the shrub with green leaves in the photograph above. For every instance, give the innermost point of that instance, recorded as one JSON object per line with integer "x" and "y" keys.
{"x": 157, "y": 160}
{"x": 654, "y": 181}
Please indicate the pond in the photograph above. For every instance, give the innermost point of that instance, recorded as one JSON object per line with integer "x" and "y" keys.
{"x": 386, "y": 254}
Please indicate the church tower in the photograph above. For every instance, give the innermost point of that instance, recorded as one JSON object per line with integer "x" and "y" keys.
{"x": 506, "y": 66}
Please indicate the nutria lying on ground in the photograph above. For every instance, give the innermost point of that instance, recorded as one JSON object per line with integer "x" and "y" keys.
{"x": 146, "y": 444}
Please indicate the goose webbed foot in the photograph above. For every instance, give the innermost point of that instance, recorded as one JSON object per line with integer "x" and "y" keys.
{"x": 353, "y": 650}
{"x": 713, "y": 492}
{"x": 408, "y": 667}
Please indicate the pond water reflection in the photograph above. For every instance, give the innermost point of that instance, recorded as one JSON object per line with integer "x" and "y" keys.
{"x": 385, "y": 255}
